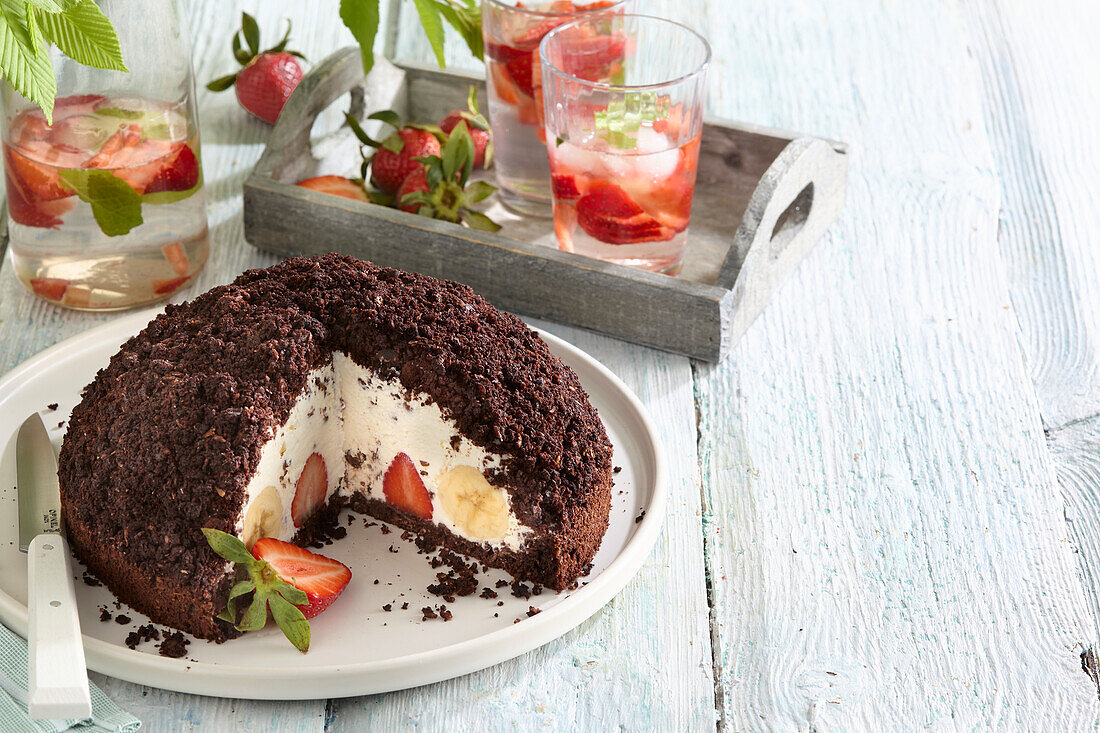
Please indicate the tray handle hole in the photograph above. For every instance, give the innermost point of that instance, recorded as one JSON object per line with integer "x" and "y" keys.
{"x": 791, "y": 221}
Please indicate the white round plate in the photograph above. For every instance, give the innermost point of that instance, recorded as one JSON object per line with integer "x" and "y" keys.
{"x": 358, "y": 648}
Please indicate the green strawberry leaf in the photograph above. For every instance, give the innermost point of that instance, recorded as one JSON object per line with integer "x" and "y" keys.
{"x": 228, "y": 546}
{"x": 361, "y": 134}
{"x": 115, "y": 206}
{"x": 251, "y": 33}
{"x": 23, "y": 57}
{"x": 388, "y": 116}
{"x": 256, "y": 616}
{"x": 477, "y": 220}
{"x": 479, "y": 191}
{"x": 84, "y": 34}
{"x": 222, "y": 83}
{"x": 296, "y": 596}
{"x": 433, "y": 27}
{"x": 361, "y": 18}
{"x": 380, "y": 197}
{"x": 242, "y": 56}
{"x": 292, "y": 621}
{"x": 242, "y": 587}
{"x": 394, "y": 143}
{"x": 458, "y": 154}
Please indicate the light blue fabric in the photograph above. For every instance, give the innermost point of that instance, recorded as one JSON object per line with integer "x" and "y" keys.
{"x": 13, "y": 698}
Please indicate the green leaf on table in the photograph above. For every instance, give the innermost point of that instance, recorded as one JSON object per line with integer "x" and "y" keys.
{"x": 84, "y": 34}
{"x": 361, "y": 18}
{"x": 433, "y": 27}
{"x": 115, "y": 206}
{"x": 23, "y": 57}
{"x": 292, "y": 622}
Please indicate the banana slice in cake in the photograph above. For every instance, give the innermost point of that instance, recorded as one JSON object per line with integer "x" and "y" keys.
{"x": 478, "y": 508}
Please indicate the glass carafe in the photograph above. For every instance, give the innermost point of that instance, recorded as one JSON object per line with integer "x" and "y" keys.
{"x": 118, "y": 140}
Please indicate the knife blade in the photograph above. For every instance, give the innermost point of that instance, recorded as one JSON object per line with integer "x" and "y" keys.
{"x": 57, "y": 675}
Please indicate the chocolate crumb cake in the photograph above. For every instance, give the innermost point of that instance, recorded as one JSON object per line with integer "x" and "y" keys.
{"x": 263, "y": 407}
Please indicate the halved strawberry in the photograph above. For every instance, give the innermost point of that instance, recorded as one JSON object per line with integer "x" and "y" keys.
{"x": 177, "y": 171}
{"x": 321, "y": 578}
{"x": 608, "y": 214}
{"x": 310, "y": 491}
{"x": 405, "y": 489}
{"x": 50, "y": 288}
{"x": 336, "y": 186}
{"x": 174, "y": 254}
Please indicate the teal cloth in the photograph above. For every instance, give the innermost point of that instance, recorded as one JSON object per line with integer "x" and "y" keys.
{"x": 13, "y": 698}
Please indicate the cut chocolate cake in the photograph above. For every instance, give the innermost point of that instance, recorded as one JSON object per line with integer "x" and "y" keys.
{"x": 263, "y": 407}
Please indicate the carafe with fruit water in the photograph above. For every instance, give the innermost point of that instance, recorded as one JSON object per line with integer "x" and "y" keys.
{"x": 106, "y": 208}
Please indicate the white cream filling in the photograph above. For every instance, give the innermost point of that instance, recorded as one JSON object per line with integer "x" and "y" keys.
{"x": 371, "y": 420}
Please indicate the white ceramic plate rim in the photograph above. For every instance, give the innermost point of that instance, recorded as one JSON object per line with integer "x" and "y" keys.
{"x": 362, "y": 678}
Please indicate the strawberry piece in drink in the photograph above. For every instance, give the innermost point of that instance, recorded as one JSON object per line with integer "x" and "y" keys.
{"x": 608, "y": 214}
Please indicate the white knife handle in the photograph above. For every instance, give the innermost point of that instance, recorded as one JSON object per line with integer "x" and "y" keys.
{"x": 57, "y": 675}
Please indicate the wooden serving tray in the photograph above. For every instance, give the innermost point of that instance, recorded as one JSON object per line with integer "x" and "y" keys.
{"x": 762, "y": 199}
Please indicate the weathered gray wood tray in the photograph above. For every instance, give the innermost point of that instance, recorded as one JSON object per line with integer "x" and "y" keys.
{"x": 763, "y": 198}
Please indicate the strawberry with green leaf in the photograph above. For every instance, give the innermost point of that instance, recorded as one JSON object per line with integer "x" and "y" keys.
{"x": 478, "y": 126}
{"x": 292, "y": 583}
{"x": 267, "y": 78}
{"x": 439, "y": 189}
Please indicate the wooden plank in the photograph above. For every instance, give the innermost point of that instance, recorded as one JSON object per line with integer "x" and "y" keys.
{"x": 644, "y": 661}
{"x": 885, "y": 540}
{"x": 1038, "y": 88}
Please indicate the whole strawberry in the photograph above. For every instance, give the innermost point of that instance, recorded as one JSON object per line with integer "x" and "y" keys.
{"x": 268, "y": 77}
{"x": 478, "y": 127}
{"x": 396, "y": 157}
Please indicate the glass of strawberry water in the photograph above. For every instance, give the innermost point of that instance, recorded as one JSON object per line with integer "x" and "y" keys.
{"x": 623, "y": 101}
{"x": 512, "y": 31}
{"x": 105, "y": 204}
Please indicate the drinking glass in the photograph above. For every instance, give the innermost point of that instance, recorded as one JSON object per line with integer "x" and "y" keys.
{"x": 512, "y": 31}
{"x": 140, "y": 127}
{"x": 623, "y": 99}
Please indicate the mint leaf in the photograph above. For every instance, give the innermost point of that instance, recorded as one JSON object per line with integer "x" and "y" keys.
{"x": 292, "y": 622}
{"x": 126, "y": 114}
{"x": 84, "y": 34}
{"x": 159, "y": 198}
{"x": 621, "y": 120}
{"x": 115, "y": 206}
{"x": 433, "y": 27}
{"x": 467, "y": 21}
{"x": 23, "y": 57}
{"x": 361, "y": 18}
{"x": 227, "y": 546}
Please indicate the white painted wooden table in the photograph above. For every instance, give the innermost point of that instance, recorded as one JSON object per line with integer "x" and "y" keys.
{"x": 885, "y": 502}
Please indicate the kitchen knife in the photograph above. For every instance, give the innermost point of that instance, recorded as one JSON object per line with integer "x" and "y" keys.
{"x": 57, "y": 676}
